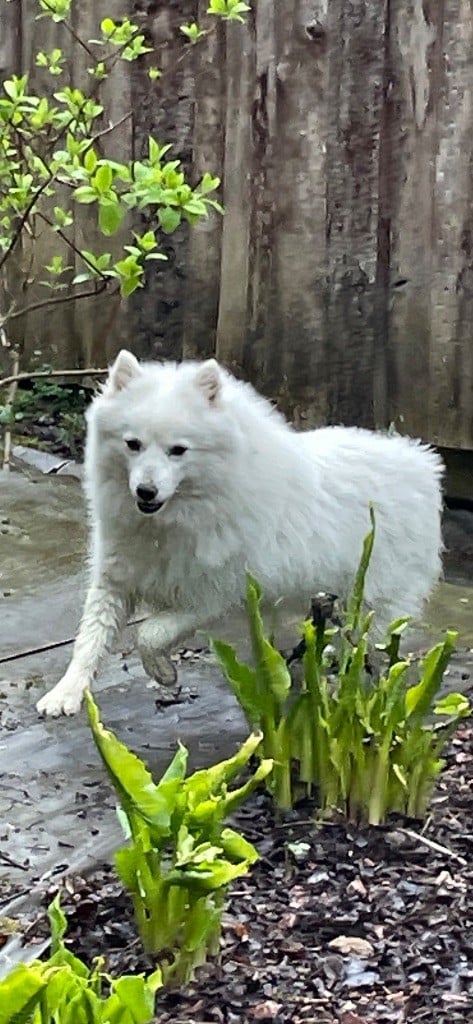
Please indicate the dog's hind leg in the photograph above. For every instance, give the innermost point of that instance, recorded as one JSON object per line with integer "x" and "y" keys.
{"x": 105, "y": 614}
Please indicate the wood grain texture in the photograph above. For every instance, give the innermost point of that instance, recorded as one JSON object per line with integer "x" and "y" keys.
{"x": 340, "y": 280}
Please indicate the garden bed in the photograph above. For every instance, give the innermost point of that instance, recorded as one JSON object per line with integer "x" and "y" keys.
{"x": 334, "y": 924}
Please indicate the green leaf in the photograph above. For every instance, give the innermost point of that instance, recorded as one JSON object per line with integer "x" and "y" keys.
{"x": 134, "y": 994}
{"x": 57, "y": 924}
{"x": 102, "y": 178}
{"x": 90, "y": 160}
{"x": 208, "y": 183}
{"x": 356, "y": 599}
{"x": 270, "y": 664}
{"x": 210, "y": 780}
{"x": 242, "y": 680}
{"x": 85, "y": 194}
{"x": 132, "y": 781}
{"x": 130, "y": 284}
{"x": 206, "y": 877}
{"x": 146, "y": 242}
{"x": 169, "y": 219}
{"x": 419, "y": 699}
{"x": 176, "y": 770}
{"x": 236, "y": 848}
{"x": 110, "y": 216}
{"x": 20, "y": 993}
{"x": 107, "y": 27}
{"x": 192, "y": 32}
{"x": 455, "y": 704}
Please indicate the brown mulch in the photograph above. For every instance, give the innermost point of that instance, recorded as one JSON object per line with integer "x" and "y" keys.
{"x": 335, "y": 925}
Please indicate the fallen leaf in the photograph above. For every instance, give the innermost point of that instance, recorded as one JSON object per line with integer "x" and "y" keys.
{"x": 288, "y": 921}
{"x": 352, "y": 944}
{"x": 357, "y": 886}
{"x": 267, "y": 1010}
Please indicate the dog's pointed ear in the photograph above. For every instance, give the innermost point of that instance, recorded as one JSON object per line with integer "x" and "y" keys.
{"x": 122, "y": 371}
{"x": 209, "y": 380}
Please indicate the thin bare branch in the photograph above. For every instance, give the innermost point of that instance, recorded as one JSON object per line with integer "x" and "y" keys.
{"x": 55, "y": 301}
{"x": 416, "y": 836}
{"x": 23, "y": 219}
{"x": 73, "y": 33}
{"x": 44, "y": 374}
{"x": 111, "y": 128}
{"x": 52, "y": 646}
{"x": 12, "y": 390}
{"x": 72, "y": 245}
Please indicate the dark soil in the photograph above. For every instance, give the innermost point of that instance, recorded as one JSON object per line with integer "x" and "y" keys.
{"x": 335, "y": 925}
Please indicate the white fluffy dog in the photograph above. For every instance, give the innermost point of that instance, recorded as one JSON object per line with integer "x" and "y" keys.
{"x": 192, "y": 478}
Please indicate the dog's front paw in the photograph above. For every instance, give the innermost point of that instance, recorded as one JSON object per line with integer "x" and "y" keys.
{"x": 64, "y": 699}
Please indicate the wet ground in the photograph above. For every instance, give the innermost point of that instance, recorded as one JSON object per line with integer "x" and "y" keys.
{"x": 56, "y": 812}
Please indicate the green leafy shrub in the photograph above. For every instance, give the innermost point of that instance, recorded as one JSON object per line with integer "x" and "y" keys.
{"x": 366, "y": 746}
{"x": 180, "y": 858}
{"x": 63, "y": 990}
{"x": 56, "y": 159}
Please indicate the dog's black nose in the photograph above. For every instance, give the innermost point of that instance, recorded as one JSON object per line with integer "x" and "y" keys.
{"x": 146, "y": 493}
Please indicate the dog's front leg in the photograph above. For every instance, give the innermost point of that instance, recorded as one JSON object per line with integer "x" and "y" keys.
{"x": 105, "y": 614}
{"x": 159, "y": 633}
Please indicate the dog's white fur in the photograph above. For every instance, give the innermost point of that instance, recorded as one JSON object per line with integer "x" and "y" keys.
{"x": 249, "y": 492}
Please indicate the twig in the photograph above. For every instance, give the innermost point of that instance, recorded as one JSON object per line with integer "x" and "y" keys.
{"x": 13, "y": 863}
{"x": 434, "y": 846}
{"x": 23, "y": 220}
{"x": 71, "y": 29}
{"x": 43, "y": 303}
{"x": 111, "y": 128}
{"x": 52, "y": 646}
{"x": 12, "y": 390}
{"x": 42, "y": 374}
{"x": 72, "y": 246}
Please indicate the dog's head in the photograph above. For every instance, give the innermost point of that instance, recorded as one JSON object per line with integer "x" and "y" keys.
{"x": 161, "y": 421}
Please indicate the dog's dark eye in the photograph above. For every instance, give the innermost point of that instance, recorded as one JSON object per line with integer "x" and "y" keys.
{"x": 133, "y": 444}
{"x": 178, "y": 449}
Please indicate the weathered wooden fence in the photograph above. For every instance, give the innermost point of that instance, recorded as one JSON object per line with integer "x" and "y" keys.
{"x": 341, "y": 278}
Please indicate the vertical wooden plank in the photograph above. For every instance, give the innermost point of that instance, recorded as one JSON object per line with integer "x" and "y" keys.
{"x": 164, "y": 109}
{"x": 232, "y": 314}
{"x": 46, "y": 335}
{"x": 101, "y": 325}
{"x": 413, "y": 249}
{"x": 432, "y": 254}
{"x": 354, "y": 99}
{"x": 295, "y": 357}
{"x": 262, "y": 292}
{"x": 205, "y": 239}
{"x": 11, "y": 17}
{"x": 450, "y": 390}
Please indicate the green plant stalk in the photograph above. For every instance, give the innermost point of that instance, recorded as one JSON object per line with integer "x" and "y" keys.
{"x": 355, "y": 603}
{"x": 391, "y": 690}
{"x": 319, "y": 710}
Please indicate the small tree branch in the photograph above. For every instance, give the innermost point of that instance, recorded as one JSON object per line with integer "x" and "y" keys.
{"x": 90, "y": 371}
{"x": 23, "y": 219}
{"x": 72, "y": 245}
{"x": 12, "y": 390}
{"x": 46, "y": 303}
{"x": 72, "y": 31}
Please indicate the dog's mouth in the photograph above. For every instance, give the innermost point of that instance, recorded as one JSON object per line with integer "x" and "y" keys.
{"x": 149, "y": 507}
